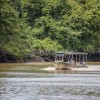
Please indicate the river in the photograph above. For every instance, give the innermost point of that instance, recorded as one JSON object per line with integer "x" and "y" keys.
{"x": 30, "y": 82}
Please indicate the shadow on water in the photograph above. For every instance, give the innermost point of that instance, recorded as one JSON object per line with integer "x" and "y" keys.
{"x": 31, "y": 82}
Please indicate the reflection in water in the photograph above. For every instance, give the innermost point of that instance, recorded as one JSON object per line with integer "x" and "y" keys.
{"x": 52, "y": 86}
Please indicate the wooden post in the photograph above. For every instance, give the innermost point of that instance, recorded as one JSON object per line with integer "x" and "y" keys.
{"x": 86, "y": 58}
{"x": 67, "y": 57}
{"x": 55, "y": 57}
{"x": 62, "y": 58}
{"x": 79, "y": 58}
{"x": 76, "y": 57}
{"x": 83, "y": 57}
{"x": 72, "y": 56}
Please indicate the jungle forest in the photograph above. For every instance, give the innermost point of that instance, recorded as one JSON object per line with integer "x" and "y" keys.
{"x": 32, "y": 27}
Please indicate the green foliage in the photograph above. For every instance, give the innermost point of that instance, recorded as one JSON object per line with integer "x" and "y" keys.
{"x": 47, "y": 45}
{"x": 8, "y": 23}
{"x": 54, "y": 25}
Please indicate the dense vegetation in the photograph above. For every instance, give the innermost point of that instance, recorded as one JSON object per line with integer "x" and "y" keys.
{"x": 49, "y": 25}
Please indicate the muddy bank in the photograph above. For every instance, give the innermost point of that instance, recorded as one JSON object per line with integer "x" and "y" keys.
{"x": 5, "y": 57}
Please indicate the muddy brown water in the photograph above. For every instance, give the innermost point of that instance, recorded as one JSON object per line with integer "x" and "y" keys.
{"x": 30, "y": 82}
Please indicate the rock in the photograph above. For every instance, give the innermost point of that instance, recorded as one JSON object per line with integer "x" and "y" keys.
{"x": 38, "y": 59}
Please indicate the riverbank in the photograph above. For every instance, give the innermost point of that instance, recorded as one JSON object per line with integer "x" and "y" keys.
{"x": 45, "y": 57}
{"x": 49, "y": 66}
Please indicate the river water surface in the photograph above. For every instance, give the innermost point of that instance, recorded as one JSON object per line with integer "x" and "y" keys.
{"x": 30, "y": 82}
